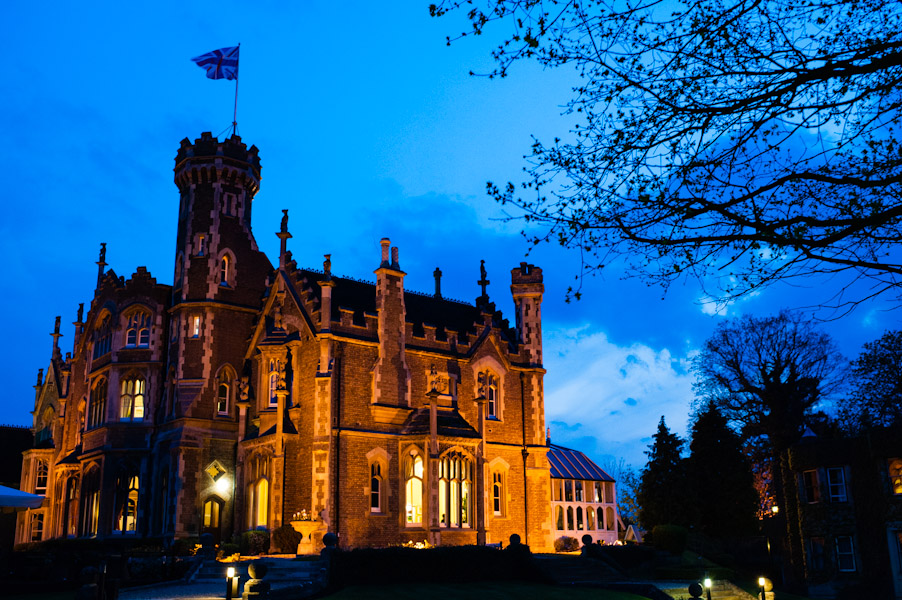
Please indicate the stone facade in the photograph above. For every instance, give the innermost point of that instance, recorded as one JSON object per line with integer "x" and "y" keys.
{"x": 246, "y": 396}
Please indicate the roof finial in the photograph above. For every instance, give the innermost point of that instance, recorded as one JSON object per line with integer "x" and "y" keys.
{"x": 438, "y": 282}
{"x": 283, "y": 235}
{"x": 101, "y": 263}
{"x": 327, "y": 267}
{"x": 56, "y": 338}
{"x": 483, "y": 282}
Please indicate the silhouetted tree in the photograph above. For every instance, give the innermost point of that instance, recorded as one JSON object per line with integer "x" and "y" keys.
{"x": 627, "y": 486}
{"x": 755, "y": 140}
{"x": 663, "y": 494}
{"x": 722, "y": 484}
{"x": 876, "y": 382}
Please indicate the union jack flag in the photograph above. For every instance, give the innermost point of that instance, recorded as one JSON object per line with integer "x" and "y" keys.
{"x": 219, "y": 64}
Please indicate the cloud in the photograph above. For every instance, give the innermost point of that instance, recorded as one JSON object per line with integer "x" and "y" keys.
{"x": 614, "y": 395}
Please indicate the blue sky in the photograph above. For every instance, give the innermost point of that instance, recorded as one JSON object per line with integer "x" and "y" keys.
{"x": 368, "y": 126}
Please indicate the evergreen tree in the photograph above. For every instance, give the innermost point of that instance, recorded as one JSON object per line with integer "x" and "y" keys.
{"x": 721, "y": 479}
{"x": 662, "y": 493}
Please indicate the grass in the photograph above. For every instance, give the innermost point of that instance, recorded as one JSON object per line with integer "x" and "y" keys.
{"x": 478, "y": 591}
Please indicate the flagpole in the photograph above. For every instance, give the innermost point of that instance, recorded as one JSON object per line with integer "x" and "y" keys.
{"x": 235, "y": 114}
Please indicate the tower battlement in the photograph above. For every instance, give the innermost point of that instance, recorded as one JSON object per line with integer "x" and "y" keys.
{"x": 208, "y": 151}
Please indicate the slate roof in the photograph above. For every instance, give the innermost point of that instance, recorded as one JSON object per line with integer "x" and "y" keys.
{"x": 360, "y": 296}
{"x": 450, "y": 424}
{"x": 573, "y": 464}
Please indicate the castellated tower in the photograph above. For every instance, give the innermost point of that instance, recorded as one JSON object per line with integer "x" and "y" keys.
{"x": 527, "y": 289}
{"x": 220, "y": 279}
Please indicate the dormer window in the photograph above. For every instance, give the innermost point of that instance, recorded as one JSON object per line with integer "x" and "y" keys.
{"x": 489, "y": 388}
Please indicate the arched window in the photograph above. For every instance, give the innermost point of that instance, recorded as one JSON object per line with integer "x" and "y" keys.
{"x": 212, "y": 510}
{"x": 223, "y": 391}
{"x": 273, "y": 382}
{"x": 609, "y": 519}
{"x": 560, "y": 518}
{"x": 375, "y": 487}
{"x": 90, "y": 513}
{"x": 224, "y": 265}
{"x": 97, "y": 408}
{"x": 579, "y": 518}
{"x": 40, "y": 478}
{"x": 590, "y": 518}
{"x": 570, "y": 518}
{"x": 413, "y": 489}
{"x": 127, "y": 504}
{"x": 102, "y": 336}
{"x": 498, "y": 494}
{"x": 454, "y": 491}
{"x": 132, "y": 399}
{"x": 70, "y": 511}
{"x": 137, "y": 330}
{"x": 488, "y": 388}
{"x": 258, "y": 492}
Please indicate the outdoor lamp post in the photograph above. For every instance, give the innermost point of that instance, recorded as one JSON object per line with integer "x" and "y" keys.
{"x": 761, "y": 587}
{"x": 708, "y": 587}
{"x": 231, "y": 584}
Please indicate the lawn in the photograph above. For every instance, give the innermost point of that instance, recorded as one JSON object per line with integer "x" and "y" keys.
{"x": 477, "y": 591}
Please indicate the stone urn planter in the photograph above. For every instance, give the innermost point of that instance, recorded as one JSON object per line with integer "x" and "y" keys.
{"x": 311, "y": 534}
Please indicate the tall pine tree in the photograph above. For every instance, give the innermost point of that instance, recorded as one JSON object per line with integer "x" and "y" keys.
{"x": 720, "y": 477}
{"x": 662, "y": 494}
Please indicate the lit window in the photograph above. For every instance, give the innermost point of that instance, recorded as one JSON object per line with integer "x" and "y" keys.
{"x": 201, "y": 241}
{"x": 836, "y": 481}
{"x": 598, "y": 494}
{"x": 845, "y": 554}
{"x": 590, "y": 518}
{"x": 609, "y": 519}
{"x": 137, "y": 332}
{"x": 810, "y": 486}
{"x": 558, "y": 490}
{"x": 560, "y": 518}
{"x": 40, "y": 480}
{"x": 273, "y": 382}
{"x": 413, "y": 489}
{"x": 375, "y": 487}
{"x": 454, "y": 491}
{"x": 895, "y": 475}
{"x": 579, "y": 490}
{"x": 132, "y": 399}
{"x": 224, "y": 271}
{"x": 127, "y": 509}
{"x": 212, "y": 509}
{"x": 91, "y": 501}
{"x": 195, "y": 326}
{"x": 258, "y": 493}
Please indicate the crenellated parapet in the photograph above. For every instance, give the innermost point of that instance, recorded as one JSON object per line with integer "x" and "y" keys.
{"x": 208, "y": 160}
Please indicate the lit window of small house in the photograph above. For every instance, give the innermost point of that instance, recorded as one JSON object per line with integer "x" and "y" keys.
{"x": 137, "y": 330}
{"x": 40, "y": 479}
{"x": 375, "y": 487}
{"x": 811, "y": 487}
{"x": 836, "y": 482}
{"x": 132, "y": 399}
{"x": 413, "y": 489}
{"x": 845, "y": 553}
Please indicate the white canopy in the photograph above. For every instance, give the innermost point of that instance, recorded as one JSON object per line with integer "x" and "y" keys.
{"x": 10, "y": 498}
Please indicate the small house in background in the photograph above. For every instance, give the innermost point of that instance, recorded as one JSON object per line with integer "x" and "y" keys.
{"x": 633, "y": 535}
{"x": 583, "y": 497}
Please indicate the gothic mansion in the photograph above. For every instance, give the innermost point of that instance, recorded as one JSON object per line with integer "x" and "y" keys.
{"x": 244, "y": 395}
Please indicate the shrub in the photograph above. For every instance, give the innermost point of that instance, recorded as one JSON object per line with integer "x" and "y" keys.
{"x": 565, "y": 543}
{"x": 226, "y": 550}
{"x": 286, "y": 539}
{"x": 255, "y": 541}
{"x": 670, "y": 538}
{"x": 184, "y": 546}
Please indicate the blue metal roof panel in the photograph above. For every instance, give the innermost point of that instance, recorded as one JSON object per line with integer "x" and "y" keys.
{"x": 573, "y": 464}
